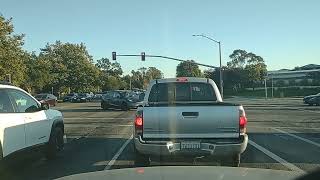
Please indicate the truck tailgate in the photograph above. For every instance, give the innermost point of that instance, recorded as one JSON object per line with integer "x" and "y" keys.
{"x": 191, "y": 122}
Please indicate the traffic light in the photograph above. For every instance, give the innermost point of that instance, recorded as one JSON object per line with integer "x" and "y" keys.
{"x": 143, "y": 56}
{"x": 114, "y": 56}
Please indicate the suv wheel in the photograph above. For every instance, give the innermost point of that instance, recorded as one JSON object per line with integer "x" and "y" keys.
{"x": 232, "y": 162}
{"x": 141, "y": 160}
{"x": 55, "y": 143}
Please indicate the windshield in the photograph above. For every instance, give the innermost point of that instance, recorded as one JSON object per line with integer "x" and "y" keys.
{"x": 165, "y": 92}
{"x": 152, "y": 84}
{"x": 40, "y": 96}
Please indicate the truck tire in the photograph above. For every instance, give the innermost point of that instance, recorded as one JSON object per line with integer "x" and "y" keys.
{"x": 104, "y": 106}
{"x": 140, "y": 160}
{"x": 124, "y": 107}
{"x": 232, "y": 162}
{"x": 55, "y": 143}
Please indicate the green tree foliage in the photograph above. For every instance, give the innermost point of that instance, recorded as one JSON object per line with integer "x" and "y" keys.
{"x": 12, "y": 56}
{"x": 238, "y": 59}
{"x": 109, "y": 75}
{"x": 38, "y": 74}
{"x": 246, "y": 68}
{"x": 70, "y": 66}
{"x": 188, "y": 69}
{"x": 113, "y": 69}
{"x": 141, "y": 78}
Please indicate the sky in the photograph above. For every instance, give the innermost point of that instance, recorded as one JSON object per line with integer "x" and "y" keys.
{"x": 285, "y": 33}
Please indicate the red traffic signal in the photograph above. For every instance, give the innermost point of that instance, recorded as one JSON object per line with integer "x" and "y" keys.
{"x": 114, "y": 56}
{"x": 143, "y": 56}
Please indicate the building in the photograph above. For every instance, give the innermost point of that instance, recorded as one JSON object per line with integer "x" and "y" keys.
{"x": 286, "y": 75}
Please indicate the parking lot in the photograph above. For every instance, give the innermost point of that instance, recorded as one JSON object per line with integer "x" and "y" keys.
{"x": 283, "y": 134}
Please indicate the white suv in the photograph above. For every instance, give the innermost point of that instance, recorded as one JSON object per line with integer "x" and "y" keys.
{"x": 26, "y": 123}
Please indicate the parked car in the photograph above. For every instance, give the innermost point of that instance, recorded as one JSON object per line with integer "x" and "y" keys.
{"x": 90, "y": 95}
{"x": 312, "y": 99}
{"x": 26, "y": 123}
{"x": 48, "y": 98}
{"x": 119, "y": 99}
{"x": 186, "y": 116}
{"x": 70, "y": 96}
{"x": 97, "y": 96}
{"x": 82, "y": 97}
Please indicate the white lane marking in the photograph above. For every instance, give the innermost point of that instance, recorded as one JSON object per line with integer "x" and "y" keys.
{"x": 298, "y": 137}
{"x": 284, "y": 127}
{"x": 275, "y": 157}
{"x": 96, "y": 118}
{"x": 115, "y": 157}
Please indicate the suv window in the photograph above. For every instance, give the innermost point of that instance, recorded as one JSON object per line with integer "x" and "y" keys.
{"x": 116, "y": 95}
{"x": 23, "y": 102}
{"x": 168, "y": 92}
{"x": 5, "y": 103}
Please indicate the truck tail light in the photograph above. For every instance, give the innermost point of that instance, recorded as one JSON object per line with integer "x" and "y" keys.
{"x": 242, "y": 121}
{"x": 138, "y": 123}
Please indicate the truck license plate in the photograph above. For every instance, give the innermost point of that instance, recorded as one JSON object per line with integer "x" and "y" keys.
{"x": 190, "y": 145}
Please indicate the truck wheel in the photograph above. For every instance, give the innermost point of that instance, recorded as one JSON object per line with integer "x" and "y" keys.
{"x": 55, "y": 143}
{"x": 141, "y": 160}
{"x": 104, "y": 106}
{"x": 124, "y": 107}
{"x": 232, "y": 162}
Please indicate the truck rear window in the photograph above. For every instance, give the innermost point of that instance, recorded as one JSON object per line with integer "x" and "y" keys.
{"x": 178, "y": 91}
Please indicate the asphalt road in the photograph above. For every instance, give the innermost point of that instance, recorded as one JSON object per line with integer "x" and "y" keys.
{"x": 284, "y": 134}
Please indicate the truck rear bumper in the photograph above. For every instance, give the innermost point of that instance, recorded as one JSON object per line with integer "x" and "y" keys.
{"x": 206, "y": 148}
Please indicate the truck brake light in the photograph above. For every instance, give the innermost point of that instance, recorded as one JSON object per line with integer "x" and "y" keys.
{"x": 242, "y": 121}
{"x": 138, "y": 123}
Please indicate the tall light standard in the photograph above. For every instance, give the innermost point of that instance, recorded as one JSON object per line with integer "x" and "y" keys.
{"x": 219, "y": 43}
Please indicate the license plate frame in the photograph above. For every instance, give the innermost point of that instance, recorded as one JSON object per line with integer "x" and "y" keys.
{"x": 190, "y": 145}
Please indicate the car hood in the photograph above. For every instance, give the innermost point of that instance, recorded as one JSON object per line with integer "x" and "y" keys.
{"x": 311, "y": 96}
{"x": 187, "y": 173}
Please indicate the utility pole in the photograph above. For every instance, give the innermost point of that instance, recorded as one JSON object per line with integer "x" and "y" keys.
{"x": 220, "y": 73}
{"x": 221, "y": 81}
{"x": 265, "y": 87}
{"x": 272, "y": 86}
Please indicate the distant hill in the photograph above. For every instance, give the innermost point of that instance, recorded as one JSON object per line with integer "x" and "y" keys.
{"x": 307, "y": 67}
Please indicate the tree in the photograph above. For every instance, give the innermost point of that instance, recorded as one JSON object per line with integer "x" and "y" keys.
{"x": 153, "y": 73}
{"x": 38, "y": 74}
{"x": 108, "y": 67}
{"x": 12, "y": 56}
{"x": 244, "y": 69}
{"x": 188, "y": 69}
{"x": 238, "y": 59}
{"x": 70, "y": 67}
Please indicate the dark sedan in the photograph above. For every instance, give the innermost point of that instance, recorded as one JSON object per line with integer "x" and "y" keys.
{"x": 312, "y": 99}
{"x": 121, "y": 99}
{"x": 69, "y": 97}
{"x": 82, "y": 97}
{"x": 48, "y": 98}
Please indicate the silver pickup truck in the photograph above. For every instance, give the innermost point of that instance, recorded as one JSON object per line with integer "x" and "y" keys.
{"x": 187, "y": 117}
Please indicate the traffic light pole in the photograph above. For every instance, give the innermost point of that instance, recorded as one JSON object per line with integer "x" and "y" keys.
{"x": 165, "y": 57}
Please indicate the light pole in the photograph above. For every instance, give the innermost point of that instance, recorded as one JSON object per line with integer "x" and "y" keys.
{"x": 219, "y": 43}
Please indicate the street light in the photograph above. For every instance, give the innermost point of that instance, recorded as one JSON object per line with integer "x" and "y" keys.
{"x": 219, "y": 43}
